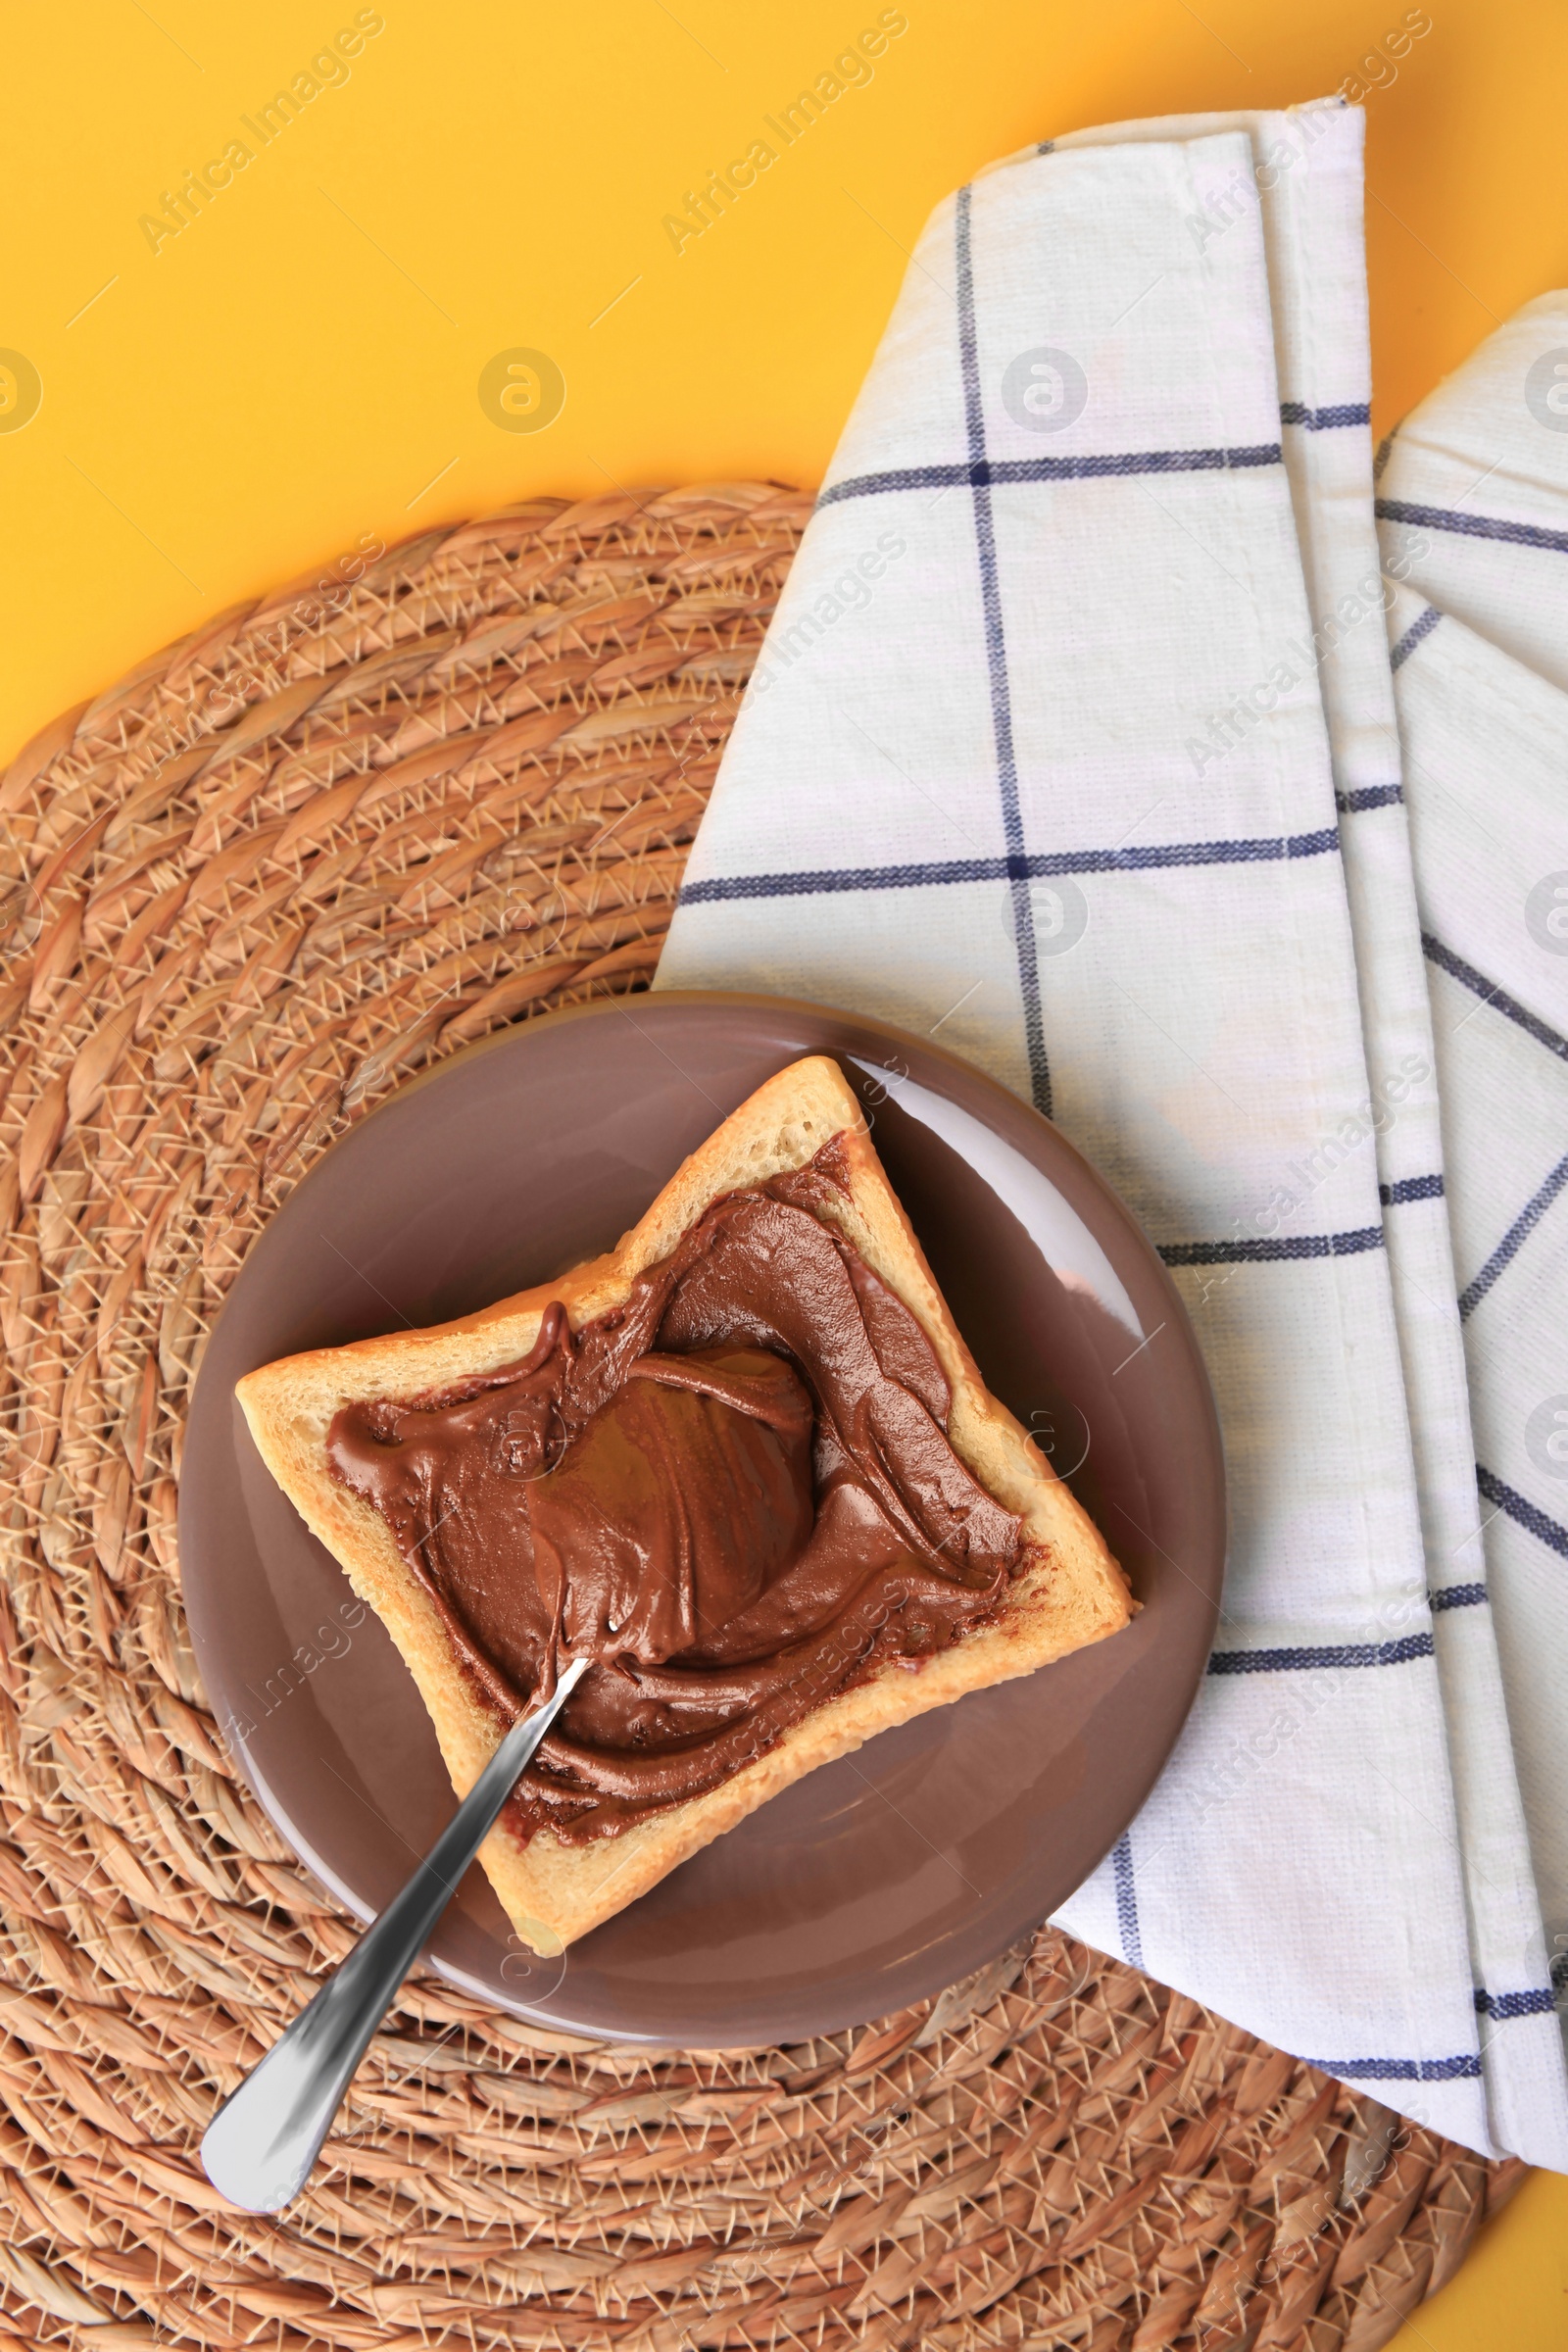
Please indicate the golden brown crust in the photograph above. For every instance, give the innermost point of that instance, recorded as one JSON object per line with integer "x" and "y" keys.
{"x": 1071, "y": 1593}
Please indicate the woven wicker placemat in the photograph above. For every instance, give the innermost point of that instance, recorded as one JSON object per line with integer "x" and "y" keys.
{"x": 331, "y": 836}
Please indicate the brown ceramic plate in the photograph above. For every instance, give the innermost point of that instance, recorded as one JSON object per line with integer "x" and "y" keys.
{"x": 877, "y": 1879}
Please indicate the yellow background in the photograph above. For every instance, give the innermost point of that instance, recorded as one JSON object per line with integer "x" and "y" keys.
{"x": 299, "y": 365}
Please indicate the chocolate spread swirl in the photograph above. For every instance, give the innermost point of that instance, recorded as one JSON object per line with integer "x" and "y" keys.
{"x": 735, "y": 1494}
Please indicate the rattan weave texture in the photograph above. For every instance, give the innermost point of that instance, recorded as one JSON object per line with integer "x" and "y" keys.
{"x": 333, "y": 834}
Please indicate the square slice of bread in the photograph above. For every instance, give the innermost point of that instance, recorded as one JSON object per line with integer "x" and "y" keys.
{"x": 1069, "y": 1593}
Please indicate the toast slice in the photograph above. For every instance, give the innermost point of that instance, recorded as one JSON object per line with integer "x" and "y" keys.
{"x": 1070, "y": 1591}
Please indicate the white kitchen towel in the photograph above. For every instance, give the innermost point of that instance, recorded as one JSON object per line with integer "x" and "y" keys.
{"x": 1474, "y": 510}
{"x": 1055, "y": 567}
{"x": 1485, "y": 761}
{"x": 1307, "y": 181}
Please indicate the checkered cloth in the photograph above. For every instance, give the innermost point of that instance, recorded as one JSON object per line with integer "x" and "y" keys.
{"x": 1473, "y": 508}
{"x": 1074, "y": 742}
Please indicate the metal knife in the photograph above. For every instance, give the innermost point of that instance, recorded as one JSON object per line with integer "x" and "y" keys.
{"x": 261, "y": 2144}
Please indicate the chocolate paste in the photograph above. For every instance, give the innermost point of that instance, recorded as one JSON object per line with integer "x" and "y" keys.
{"x": 735, "y": 1494}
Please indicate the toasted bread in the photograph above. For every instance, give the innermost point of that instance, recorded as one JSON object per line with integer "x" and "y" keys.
{"x": 1069, "y": 1593}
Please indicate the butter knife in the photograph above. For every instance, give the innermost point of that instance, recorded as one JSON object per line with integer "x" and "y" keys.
{"x": 261, "y": 2144}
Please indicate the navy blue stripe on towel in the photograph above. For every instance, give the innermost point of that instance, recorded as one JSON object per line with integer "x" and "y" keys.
{"x": 1456, "y": 1597}
{"x": 1490, "y": 994}
{"x": 1333, "y": 1653}
{"x": 1024, "y": 919}
{"x": 1513, "y": 1241}
{"x": 1539, "y": 2001}
{"x": 1121, "y": 1867}
{"x": 1034, "y": 865}
{"x": 1400, "y": 2070}
{"x": 1422, "y": 626}
{"x": 1368, "y": 796}
{"x": 981, "y": 471}
{"x": 1318, "y": 421}
{"x": 1522, "y": 1511}
{"x": 1411, "y": 1188}
{"x": 1272, "y": 1247}
{"x": 1472, "y": 527}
